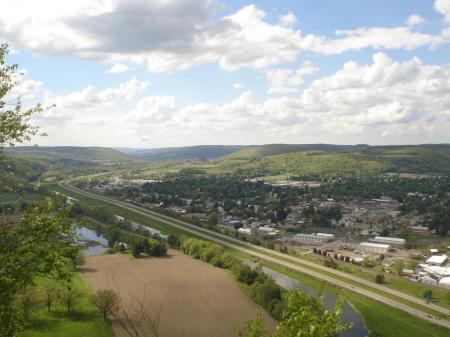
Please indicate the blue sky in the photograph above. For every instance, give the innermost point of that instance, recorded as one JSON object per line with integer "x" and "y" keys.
{"x": 233, "y": 72}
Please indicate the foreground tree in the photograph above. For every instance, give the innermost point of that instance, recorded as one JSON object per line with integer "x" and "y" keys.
{"x": 42, "y": 244}
{"x": 303, "y": 316}
{"x": 107, "y": 301}
{"x": 15, "y": 126}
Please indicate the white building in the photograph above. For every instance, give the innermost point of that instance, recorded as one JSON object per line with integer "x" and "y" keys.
{"x": 437, "y": 260}
{"x": 245, "y": 231}
{"x": 394, "y": 242}
{"x": 370, "y": 247}
{"x": 313, "y": 238}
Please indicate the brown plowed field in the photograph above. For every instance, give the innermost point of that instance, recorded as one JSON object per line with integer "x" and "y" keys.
{"x": 196, "y": 299}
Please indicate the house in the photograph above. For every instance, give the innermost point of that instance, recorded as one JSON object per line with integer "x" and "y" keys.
{"x": 395, "y": 242}
{"x": 313, "y": 238}
{"x": 437, "y": 260}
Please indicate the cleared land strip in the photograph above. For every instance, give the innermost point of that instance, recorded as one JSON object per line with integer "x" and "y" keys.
{"x": 263, "y": 254}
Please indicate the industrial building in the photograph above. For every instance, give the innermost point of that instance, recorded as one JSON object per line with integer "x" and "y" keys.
{"x": 313, "y": 238}
{"x": 394, "y": 242}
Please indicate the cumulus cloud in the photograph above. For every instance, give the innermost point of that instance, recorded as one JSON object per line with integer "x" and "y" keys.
{"x": 443, "y": 7}
{"x": 151, "y": 110}
{"x": 237, "y": 86}
{"x": 414, "y": 20}
{"x": 384, "y": 96}
{"x": 117, "y": 68}
{"x": 283, "y": 81}
{"x": 171, "y": 35}
{"x": 25, "y": 87}
{"x": 79, "y": 106}
{"x": 288, "y": 20}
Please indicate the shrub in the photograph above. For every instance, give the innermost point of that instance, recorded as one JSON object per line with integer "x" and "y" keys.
{"x": 379, "y": 278}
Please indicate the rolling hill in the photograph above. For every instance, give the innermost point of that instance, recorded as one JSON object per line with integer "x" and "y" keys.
{"x": 69, "y": 152}
{"x": 200, "y": 152}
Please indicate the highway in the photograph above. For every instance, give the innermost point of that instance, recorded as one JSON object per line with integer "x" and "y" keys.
{"x": 284, "y": 260}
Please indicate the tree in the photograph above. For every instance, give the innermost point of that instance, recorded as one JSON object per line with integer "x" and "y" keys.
{"x": 212, "y": 219}
{"x": 40, "y": 245}
{"x": 379, "y": 278}
{"x": 43, "y": 244}
{"x": 107, "y": 301}
{"x": 428, "y": 295}
{"x": 173, "y": 241}
{"x": 29, "y": 303}
{"x": 253, "y": 327}
{"x": 15, "y": 126}
{"x": 70, "y": 296}
{"x": 51, "y": 290}
{"x": 305, "y": 316}
{"x": 399, "y": 265}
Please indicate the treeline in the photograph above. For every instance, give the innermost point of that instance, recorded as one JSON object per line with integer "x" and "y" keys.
{"x": 263, "y": 289}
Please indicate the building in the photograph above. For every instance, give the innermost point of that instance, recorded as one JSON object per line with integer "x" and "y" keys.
{"x": 394, "y": 242}
{"x": 437, "y": 260}
{"x": 245, "y": 231}
{"x": 370, "y": 247}
{"x": 267, "y": 230}
{"x": 419, "y": 229}
{"x": 313, "y": 238}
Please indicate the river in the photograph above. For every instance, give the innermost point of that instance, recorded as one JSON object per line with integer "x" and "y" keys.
{"x": 93, "y": 244}
{"x": 350, "y": 314}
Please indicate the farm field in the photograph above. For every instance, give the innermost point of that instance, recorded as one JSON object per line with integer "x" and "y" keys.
{"x": 196, "y": 299}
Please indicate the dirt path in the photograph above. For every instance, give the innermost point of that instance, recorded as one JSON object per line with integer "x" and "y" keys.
{"x": 197, "y": 299}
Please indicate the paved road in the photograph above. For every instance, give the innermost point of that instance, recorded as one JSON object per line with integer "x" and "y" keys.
{"x": 262, "y": 253}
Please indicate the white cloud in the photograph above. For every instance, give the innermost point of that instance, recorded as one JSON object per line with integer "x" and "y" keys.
{"x": 171, "y": 35}
{"x": 90, "y": 96}
{"x": 401, "y": 100}
{"x": 151, "y": 110}
{"x": 288, "y": 20}
{"x": 80, "y": 106}
{"x": 443, "y": 7}
{"x": 25, "y": 87}
{"x": 385, "y": 101}
{"x": 118, "y": 68}
{"x": 283, "y": 81}
{"x": 414, "y": 20}
{"x": 237, "y": 86}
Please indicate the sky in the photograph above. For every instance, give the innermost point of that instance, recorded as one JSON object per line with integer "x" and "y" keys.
{"x": 159, "y": 73}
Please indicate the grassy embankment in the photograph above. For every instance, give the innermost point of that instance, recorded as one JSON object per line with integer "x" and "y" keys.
{"x": 85, "y": 321}
{"x": 440, "y": 296}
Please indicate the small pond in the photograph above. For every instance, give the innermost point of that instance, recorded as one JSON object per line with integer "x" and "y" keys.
{"x": 93, "y": 243}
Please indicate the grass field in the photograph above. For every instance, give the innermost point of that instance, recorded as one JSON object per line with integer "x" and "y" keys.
{"x": 196, "y": 298}
{"x": 12, "y": 197}
{"x": 86, "y": 321}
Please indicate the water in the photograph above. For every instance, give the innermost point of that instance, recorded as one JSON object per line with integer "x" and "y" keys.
{"x": 350, "y": 314}
{"x": 94, "y": 244}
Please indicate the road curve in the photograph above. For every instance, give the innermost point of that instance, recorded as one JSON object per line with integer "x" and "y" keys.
{"x": 262, "y": 254}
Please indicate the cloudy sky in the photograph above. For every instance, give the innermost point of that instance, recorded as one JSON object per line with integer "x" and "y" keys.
{"x": 153, "y": 73}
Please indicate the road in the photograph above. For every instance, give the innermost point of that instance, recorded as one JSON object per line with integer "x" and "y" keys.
{"x": 268, "y": 255}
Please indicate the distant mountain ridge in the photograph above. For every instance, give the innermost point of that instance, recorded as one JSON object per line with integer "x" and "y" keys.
{"x": 199, "y": 152}
{"x": 69, "y": 152}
